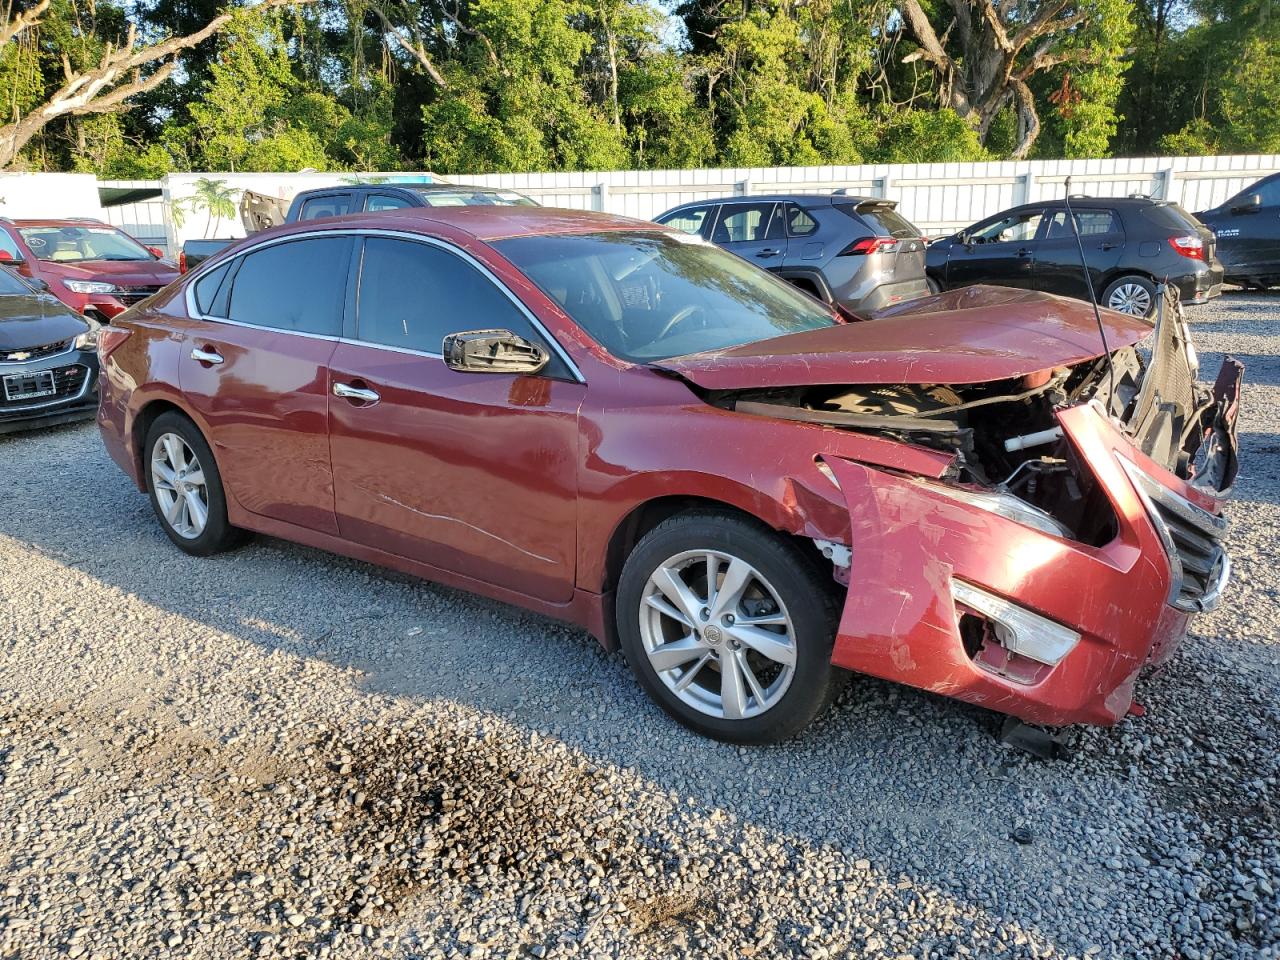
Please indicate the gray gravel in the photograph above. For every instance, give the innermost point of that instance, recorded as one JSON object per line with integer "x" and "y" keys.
{"x": 281, "y": 753}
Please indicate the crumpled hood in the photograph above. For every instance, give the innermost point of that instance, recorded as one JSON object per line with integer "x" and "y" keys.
{"x": 973, "y": 335}
{"x": 35, "y": 321}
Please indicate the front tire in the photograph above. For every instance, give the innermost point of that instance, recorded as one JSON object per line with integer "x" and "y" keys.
{"x": 1133, "y": 295}
{"x": 729, "y": 627}
{"x": 185, "y": 487}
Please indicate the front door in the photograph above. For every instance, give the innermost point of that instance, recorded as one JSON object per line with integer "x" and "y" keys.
{"x": 1249, "y": 234}
{"x": 256, "y": 370}
{"x": 1000, "y": 251}
{"x": 754, "y": 231}
{"x": 472, "y": 473}
{"x": 1057, "y": 266}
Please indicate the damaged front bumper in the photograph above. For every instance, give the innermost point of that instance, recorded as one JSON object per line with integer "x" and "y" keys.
{"x": 965, "y": 602}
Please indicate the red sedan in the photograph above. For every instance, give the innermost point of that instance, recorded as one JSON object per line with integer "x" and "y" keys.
{"x": 619, "y": 425}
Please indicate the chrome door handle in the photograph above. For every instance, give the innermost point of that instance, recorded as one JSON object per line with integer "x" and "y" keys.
{"x": 348, "y": 392}
{"x": 206, "y": 356}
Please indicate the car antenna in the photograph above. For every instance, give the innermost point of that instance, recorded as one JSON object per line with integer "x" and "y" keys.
{"x": 1093, "y": 299}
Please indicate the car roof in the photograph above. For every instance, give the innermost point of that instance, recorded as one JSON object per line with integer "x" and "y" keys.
{"x": 415, "y": 187}
{"x": 1108, "y": 201}
{"x": 486, "y": 222}
{"x": 803, "y": 199}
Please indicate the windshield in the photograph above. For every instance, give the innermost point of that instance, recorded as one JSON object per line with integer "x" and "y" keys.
{"x": 650, "y": 296}
{"x": 9, "y": 284}
{"x": 72, "y": 244}
{"x": 462, "y": 197}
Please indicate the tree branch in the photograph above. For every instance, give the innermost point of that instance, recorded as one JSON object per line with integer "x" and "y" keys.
{"x": 415, "y": 50}
{"x": 25, "y": 19}
{"x": 96, "y": 90}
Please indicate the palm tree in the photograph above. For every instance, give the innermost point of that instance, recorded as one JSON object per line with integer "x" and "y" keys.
{"x": 213, "y": 196}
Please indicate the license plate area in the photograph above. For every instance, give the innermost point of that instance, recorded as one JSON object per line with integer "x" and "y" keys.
{"x": 29, "y": 386}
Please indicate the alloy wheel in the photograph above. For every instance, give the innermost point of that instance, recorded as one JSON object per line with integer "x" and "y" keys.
{"x": 1130, "y": 298}
{"x": 179, "y": 483}
{"x": 717, "y": 634}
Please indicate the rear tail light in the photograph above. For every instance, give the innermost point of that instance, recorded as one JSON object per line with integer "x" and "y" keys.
{"x": 182, "y": 262}
{"x": 1190, "y": 246}
{"x": 869, "y": 245}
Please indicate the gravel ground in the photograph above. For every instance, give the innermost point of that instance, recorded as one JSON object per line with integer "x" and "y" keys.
{"x": 282, "y": 753}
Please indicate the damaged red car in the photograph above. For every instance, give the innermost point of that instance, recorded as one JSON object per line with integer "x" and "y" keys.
{"x": 630, "y": 429}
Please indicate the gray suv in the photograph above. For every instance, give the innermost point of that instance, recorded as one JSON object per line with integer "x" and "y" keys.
{"x": 857, "y": 252}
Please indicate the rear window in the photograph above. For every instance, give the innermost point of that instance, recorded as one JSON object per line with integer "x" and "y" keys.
{"x": 887, "y": 222}
{"x": 1170, "y": 216}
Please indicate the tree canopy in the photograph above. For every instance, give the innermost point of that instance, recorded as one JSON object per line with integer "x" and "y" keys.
{"x": 139, "y": 89}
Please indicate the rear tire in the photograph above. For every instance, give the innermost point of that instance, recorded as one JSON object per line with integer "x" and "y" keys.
{"x": 1131, "y": 294}
{"x": 747, "y": 662}
{"x": 185, "y": 487}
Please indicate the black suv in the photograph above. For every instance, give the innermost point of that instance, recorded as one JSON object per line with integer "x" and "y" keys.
{"x": 1248, "y": 230}
{"x": 1130, "y": 244}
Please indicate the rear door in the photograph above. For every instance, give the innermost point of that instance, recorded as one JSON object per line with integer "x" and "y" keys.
{"x": 1057, "y": 260}
{"x": 753, "y": 230}
{"x": 256, "y": 369}
{"x": 998, "y": 251}
{"x": 471, "y": 473}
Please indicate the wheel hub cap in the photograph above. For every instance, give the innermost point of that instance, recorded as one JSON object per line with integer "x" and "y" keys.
{"x": 717, "y": 634}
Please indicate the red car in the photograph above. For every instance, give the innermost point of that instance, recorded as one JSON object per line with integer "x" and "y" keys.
{"x": 622, "y": 426}
{"x": 94, "y": 268}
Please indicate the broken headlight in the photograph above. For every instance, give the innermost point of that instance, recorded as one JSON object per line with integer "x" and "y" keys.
{"x": 1005, "y": 505}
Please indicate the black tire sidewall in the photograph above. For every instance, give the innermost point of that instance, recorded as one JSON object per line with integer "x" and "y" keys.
{"x": 218, "y": 534}
{"x": 807, "y": 598}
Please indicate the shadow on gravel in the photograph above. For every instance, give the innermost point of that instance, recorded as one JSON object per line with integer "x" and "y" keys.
{"x": 915, "y": 783}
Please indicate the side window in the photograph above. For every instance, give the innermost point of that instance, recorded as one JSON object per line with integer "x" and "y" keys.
{"x": 329, "y": 205}
{"x": 1016, "y": 228}
{"x": 1090, "y": 223}
{"x": 690, "y": 220}
{"x": 799, "y": 222}
{"x": 10, "y": 246}
{"x": 298, "y": 286}
{"x": 382, "y": 201}
{"x": 1269, "y": 192}
{"x": 207, "y": 289}
{"x": 744, "y": 222}
{"x": 412, "y": 295}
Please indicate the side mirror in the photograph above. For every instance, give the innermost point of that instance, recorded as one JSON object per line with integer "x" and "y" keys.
{"x": 1249, "y": 204}
{"x": 492, "y": 351}
{"x": 41, "y": 285}
{"x": 156, "y": 252}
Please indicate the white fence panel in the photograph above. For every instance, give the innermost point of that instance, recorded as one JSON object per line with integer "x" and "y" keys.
{"x": 39, "y": 195}
{"x": 939, "y": 198}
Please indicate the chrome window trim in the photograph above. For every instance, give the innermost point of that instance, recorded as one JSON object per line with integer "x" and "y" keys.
{"x": 193, "y": 311}
{"x": 84, "y": 388}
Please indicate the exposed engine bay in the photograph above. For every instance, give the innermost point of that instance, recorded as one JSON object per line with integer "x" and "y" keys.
{"x": 1005, "y": 433}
